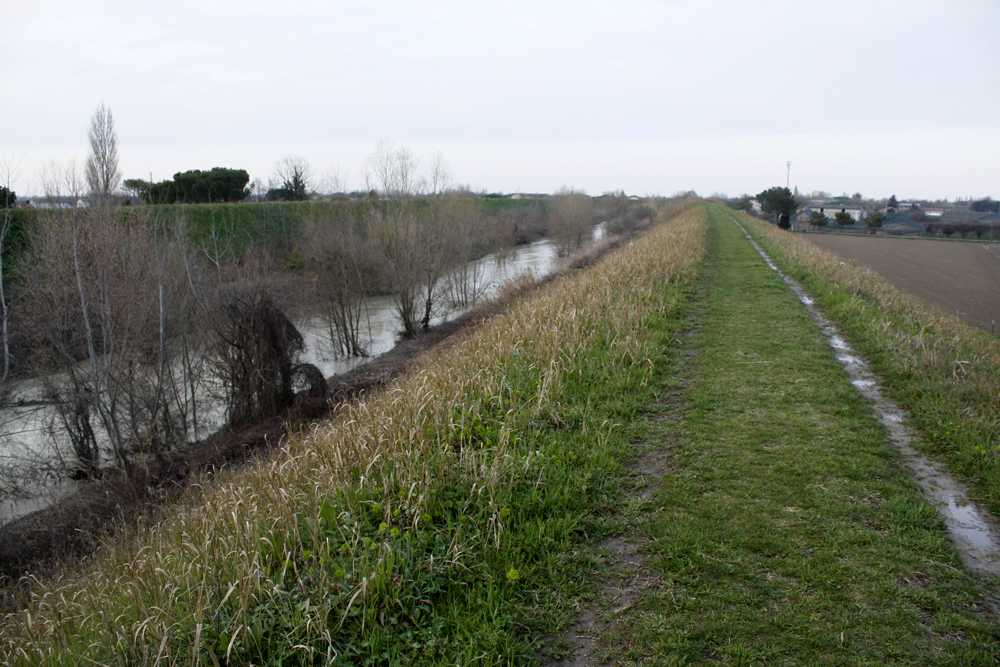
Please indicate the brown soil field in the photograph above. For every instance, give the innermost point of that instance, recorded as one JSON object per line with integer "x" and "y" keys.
{"x": 960, "y": 278}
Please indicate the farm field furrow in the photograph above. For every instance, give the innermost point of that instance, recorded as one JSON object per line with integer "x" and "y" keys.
{"x": 960, "y": 278}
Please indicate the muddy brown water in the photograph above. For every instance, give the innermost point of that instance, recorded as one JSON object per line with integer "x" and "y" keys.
{"x": 961, "y": 278}
{"x": 970, "y": 527}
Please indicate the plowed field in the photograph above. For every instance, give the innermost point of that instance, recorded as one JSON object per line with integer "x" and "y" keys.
{"x": 960, "y": 278}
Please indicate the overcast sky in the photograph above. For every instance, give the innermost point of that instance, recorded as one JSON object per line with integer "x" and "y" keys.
{"x": 877, "y": 96}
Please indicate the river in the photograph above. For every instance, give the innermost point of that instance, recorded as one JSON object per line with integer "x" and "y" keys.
{"x": 25, "y": 429}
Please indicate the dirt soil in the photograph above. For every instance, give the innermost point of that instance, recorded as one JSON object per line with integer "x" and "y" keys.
{"x": 960, "y": 278}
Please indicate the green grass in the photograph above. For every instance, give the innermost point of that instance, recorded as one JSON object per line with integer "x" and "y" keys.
{"x": 788, "y": 532}
{"x": 944, "y": 373}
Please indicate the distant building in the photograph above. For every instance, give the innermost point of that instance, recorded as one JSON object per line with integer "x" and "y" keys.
{"x": 857, "y": 212}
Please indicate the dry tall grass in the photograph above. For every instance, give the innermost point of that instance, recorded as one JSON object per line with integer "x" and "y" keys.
{"x": 326, "y": 515}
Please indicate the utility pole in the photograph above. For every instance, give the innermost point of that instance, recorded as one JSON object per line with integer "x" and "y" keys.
{"x": 788, "y": 176}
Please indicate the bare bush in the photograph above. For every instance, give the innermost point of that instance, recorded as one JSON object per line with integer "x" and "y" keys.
{"x": 622, "y": 215}
{"x": 346, "y": 266}
{"x": 251, "y": 344}
{"x": 570, "y": 219}
{"x": 255, "y": 356}
{"x": 500, "y": 234}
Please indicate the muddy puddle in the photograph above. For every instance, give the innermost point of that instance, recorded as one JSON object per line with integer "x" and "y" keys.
{"x": 970, "y": 527}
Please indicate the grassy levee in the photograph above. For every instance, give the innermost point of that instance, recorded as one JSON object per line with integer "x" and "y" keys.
{"x": 438, "y": 522}
{"x": 787, "y": 531}
{"x": 274, "y": 225}
{"x": 232, "y": 229}
{"x": 944, "y": 372}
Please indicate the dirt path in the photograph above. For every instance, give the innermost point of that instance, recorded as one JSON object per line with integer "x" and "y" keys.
{"x": 960, "y": 278}
{"x": 628, "y": 574}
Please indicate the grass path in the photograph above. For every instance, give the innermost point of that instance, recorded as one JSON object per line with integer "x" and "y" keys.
{"x": 787, "y": 532}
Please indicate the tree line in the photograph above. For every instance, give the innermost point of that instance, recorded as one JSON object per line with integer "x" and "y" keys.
{"x": 193, "y": 187}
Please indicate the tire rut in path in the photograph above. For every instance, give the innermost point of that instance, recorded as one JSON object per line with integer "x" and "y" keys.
{"x": 971, "y": 529}
{"x": 627, "y": 574}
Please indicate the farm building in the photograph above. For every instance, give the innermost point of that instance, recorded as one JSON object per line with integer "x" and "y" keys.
{"x": 801, "y": 218}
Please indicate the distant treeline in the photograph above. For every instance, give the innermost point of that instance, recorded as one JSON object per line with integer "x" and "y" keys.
{"x": 194, "y": 187}
{"x": 964, "y": 230}
{"x": 985, "y": 206}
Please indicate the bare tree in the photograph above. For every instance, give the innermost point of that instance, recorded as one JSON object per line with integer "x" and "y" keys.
{"x": 334, "y": 180}
{"x": 294, "y": 174}
{"x": 102, "y": 311}
{"x": 345, "y": 266}
{"x": 393, "y": 171}
{"x": 103, "y": 176}
{"x": 395, "y": 231}
{"x": 467, "y": 281}
{"x": 446, "y": 237}
{"x": 62, "y": 183}
{"x": 571, "y": 218}
{"x": 108, "y": 310}
{"x": 439, "y": 176}
{"x": 8, "y": 171}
